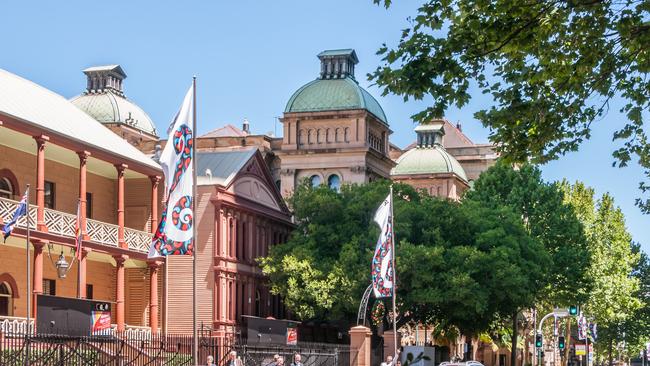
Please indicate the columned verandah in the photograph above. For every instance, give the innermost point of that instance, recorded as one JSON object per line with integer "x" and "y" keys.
{"x": 60, "y": 159}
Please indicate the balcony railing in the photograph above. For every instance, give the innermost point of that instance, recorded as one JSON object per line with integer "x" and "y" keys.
{"x": 62, "y": 223}
{"x": 10, "y": 325}
{"x": 15, "y": 325}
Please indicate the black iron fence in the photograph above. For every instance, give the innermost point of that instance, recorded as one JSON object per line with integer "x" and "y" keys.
{"x": 312, "y": 354}
{"x": 118, "y": 350}
{"x": 172, "y": 350}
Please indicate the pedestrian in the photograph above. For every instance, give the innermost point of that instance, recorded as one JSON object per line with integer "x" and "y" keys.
{"x": 275, "y": 360}
{"x": 297, "y": 360}
{"x": 210, "y": 361}
{"x": 280, "y": 361}
{"x": 232, "y": 359}
{"x": 390, "y": 361}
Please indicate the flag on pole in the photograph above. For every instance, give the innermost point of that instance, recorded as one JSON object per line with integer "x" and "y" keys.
{"x": 593, "y": 331}
{"x": 582, "y": 327}
{"x": 21, "y": 211}
{"x": 78, "y": 233}
{"x": 174, "y": 235}
{"x": 382, "y": 267}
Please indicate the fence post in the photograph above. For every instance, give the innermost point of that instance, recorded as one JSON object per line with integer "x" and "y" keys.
{"x": 360, "y": 346}
{"x": 389, "y": 337}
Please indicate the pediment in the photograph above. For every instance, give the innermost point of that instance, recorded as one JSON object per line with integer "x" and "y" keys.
{"x": 254, "y": 182}
{"x": 256, "y": 190}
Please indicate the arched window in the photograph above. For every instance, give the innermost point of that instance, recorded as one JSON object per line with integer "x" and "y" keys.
{"x": 258, "y": 300}
{"x": 302, "y": 137}
{"x": 334, "y": 182}
{"x": 6, "y": 297}
{"x": 315, "y": 180}
{"x": 6, "y": 188}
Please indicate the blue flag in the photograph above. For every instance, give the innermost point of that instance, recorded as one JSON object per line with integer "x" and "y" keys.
{"x": 20, "y": 212}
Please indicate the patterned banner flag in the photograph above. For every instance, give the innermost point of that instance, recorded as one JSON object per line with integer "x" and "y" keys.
{"x": 382, "y": 266}
{"x": 582, "y": 327}
{"x": 174, "y": 235}
{"x": 21, "y": 211}
{"x": 593, "y": 331}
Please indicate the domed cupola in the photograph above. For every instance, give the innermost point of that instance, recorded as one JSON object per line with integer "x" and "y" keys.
{"x": 429, "y": 157}
{"x": 104, "y": 100}
{"x": 335, "y": 89}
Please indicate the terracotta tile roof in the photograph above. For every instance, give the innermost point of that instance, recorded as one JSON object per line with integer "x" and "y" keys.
{"x": 226, "y": 131}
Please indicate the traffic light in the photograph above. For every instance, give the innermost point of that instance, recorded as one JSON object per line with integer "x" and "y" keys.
{"x": 538, "y": 340}
{"x": 573, "y": 310}
{"x": 560, "y": 343}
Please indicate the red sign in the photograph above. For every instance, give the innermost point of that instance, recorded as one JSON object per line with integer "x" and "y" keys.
{"x": 101, "y": 323}
{"x": 292, "y": 336}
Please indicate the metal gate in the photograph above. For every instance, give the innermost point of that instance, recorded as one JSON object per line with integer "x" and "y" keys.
{"x": 132, "y": 350}
{"x": 313, "y": 354}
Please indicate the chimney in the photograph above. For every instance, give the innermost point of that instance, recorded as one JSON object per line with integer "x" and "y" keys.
{"x": 246, "y": 127}
{"x": 459, "y": 127}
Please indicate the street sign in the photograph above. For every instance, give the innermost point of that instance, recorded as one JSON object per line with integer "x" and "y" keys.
{"x": 561, "y": 313}
{"x": 581, "y": 349}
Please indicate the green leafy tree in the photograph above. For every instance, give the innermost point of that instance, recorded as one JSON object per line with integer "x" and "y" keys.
{"x": 551, "y": 67}
{"x": 614, "y": 299}
{"x": 549, "y": 220}
{"x": 459, "y": 265}
{"x": 637, "y": 326}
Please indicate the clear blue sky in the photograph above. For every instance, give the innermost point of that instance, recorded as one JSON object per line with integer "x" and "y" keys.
{"x": 249, "y": 57}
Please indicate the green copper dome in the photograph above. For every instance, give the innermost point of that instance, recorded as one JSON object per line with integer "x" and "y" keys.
{"x": 104, "y": 99}
{"x": 429, "y": 160}
{"x": 334, "y": 95}
{"x": 429, "y": 157}
{"x": 335, "y": 89}
{"x": 110, "y": 108}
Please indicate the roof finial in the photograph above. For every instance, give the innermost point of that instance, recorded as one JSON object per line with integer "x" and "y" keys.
{"x": 246, "y": 127}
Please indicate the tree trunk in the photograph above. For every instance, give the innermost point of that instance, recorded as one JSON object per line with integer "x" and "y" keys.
{"x": 610, "y": 352}
{"x": 567, "y": 343}
{"x": 513, "y": 352}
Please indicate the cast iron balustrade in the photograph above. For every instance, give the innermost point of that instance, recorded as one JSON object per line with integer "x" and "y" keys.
{"x": 15, "y": 325}
{"x": 63, "y": 224}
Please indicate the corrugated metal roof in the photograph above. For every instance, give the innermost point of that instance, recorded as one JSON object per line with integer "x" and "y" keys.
{"x": 36, "y": 105}
{"x": 223, "y": 165}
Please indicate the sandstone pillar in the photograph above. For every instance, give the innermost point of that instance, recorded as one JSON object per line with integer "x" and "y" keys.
{"x": 360, "y": 349}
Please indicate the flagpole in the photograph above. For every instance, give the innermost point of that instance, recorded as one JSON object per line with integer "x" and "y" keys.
{"x": 392, "y": 259}
{"x": 195, "y": 345}
{"x": 78, "y": 247}
{"x": 29, "y": 280}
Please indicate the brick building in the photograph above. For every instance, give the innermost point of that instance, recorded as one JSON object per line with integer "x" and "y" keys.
{"x": 67, "y": 157}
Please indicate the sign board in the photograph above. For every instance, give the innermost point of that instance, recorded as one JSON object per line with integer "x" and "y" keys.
{"x": 581, "y": 349}
{"x": 72, "y": 317}
{"x": 292, "y": 335}
{"x": 101, "y": 323}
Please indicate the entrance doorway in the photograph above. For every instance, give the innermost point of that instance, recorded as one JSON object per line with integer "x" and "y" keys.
{"x": 6, "y": 297}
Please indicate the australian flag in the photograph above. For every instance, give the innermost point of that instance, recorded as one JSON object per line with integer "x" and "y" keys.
{"x": 20, "y": 212}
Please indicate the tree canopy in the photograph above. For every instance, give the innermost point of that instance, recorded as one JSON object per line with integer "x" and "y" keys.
{"x": 615, "y": 267}
{"x": 551, "y": 67}
{"x": 548, "y": 219}
{"x": 459, "y": 265}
